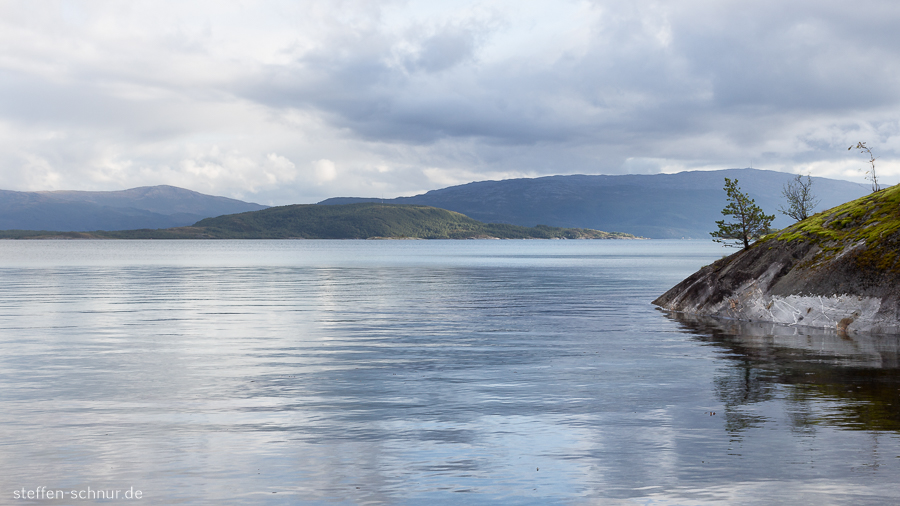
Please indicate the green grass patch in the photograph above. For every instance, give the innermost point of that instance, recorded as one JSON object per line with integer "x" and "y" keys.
{"x": 873, "y": 220}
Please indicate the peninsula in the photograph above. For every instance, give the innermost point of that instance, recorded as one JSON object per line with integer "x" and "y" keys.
{"x": 350, "y": 221}
{"x": 838, "y": 269}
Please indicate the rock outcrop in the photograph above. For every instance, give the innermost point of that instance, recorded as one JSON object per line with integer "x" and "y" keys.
{"x": 838, "y": 269}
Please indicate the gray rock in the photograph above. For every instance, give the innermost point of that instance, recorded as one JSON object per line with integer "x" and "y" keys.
{"x": 838, "y": 270}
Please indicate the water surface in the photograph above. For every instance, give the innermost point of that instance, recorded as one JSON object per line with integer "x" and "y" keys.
{"x": 403, "y": 372}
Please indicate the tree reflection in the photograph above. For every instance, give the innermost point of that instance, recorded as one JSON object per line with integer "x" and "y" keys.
{"x": 847, "y": 382}
{"x": 741, "y": 386}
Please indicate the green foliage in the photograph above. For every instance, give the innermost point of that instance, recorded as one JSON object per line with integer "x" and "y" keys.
{"x": 751, "y": 223}
{"x": 800, "y": 198}
{"x": 351, "y": 221}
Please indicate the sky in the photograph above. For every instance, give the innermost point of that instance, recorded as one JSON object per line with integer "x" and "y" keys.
{"x": 297, "y": 101}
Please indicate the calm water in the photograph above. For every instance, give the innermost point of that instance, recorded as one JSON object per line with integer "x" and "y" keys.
{"x": 411, "y": 372}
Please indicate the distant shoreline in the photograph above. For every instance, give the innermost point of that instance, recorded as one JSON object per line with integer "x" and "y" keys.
{"x": 348, "y": 221}
{"x": 66, "y": 237}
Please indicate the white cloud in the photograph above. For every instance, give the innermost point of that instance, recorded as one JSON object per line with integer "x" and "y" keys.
{"x": 401, "y": 97}
{"x": 325, "y": 170}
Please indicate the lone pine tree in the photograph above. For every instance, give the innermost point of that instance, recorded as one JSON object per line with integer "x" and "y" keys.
{"x": 750, "y": 222}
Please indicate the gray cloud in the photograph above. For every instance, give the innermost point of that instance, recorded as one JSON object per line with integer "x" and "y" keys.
{"x": 403, "y": 97}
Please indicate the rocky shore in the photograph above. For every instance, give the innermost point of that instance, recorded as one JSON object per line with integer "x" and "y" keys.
{"x": 838, "y": 269}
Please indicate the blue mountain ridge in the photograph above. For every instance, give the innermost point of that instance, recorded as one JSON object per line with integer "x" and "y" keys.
{"x": 136, "y": 208}
{"x": 681, "y": 205}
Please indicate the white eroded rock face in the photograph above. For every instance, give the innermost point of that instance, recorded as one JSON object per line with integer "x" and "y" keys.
{"x": 837, "y": 312}
{"x": 780, "y": 283}
{"x": 838, "y": 269}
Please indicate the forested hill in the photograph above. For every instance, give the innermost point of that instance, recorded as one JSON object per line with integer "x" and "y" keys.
{"x": 372, "y": 220}
{"x": 685, "y": 204}
{"x": 352, "y": 221}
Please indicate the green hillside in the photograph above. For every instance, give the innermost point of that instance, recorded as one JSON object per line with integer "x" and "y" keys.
{"x": 351, "y": 221}
{"x": 870, "y": 225}
{"x": 371, "y": 220}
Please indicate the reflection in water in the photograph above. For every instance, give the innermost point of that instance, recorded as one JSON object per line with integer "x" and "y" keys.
{"x": 858, "y": 374}
{"x": 411, "y": 372}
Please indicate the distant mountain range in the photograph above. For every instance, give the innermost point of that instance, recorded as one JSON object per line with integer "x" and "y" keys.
{"x": 685, "y": 204}
{"x": 144, "y": 207}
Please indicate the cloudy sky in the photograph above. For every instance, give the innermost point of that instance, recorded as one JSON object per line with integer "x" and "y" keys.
{"x": 296, "y": 101}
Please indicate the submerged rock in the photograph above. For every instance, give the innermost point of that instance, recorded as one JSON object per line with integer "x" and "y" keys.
{"x": 839, "y": 269}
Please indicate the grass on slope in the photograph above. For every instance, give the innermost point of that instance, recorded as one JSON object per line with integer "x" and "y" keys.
{"x": 873, "y": 220}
